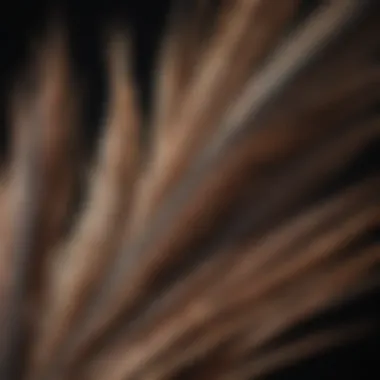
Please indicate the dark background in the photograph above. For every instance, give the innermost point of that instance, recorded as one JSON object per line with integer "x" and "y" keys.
{"x": 86, "y": 21}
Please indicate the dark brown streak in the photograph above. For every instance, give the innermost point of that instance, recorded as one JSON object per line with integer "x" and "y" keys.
{"x": 14, "y": 329}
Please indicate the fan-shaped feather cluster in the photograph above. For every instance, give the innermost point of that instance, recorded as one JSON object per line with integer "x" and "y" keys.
{"x": 192, "y": 254}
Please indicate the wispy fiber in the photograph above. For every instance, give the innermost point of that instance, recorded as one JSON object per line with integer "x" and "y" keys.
{"x": 241, "y": 219}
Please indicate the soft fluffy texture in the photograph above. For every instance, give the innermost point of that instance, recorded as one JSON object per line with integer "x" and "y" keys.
{"x": 193, "y": 254}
